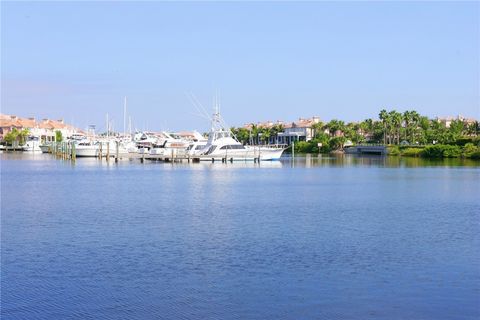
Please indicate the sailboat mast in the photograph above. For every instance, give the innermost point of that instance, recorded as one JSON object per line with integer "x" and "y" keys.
{"x": 124, "y": 116}
{"x": 130, "y": 126}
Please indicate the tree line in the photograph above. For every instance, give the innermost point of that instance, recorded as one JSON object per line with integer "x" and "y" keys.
{"x": 392, "y": 128}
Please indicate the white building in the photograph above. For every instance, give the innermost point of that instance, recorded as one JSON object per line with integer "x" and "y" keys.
{"x": 44, "y": 129}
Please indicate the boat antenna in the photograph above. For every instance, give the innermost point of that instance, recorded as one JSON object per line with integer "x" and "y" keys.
{"x": 198, "y": 106}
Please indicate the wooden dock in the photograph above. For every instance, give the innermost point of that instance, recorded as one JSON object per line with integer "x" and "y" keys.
{"x": 66, "y": 151}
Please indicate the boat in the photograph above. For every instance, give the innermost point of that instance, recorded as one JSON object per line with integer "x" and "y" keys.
{"x": 169, "y": 145}
{"x": 196, "y": 148}
{"x": 87, "y": 148}
{"x": 32, "y": 144}
{"x": 222, "y": 144}
{"x": 45, "y": 148}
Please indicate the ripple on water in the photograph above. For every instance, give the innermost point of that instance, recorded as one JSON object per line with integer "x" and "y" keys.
{"x": 336, "y": 240}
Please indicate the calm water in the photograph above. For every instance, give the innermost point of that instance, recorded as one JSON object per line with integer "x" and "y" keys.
{"x": 328, "y": 238}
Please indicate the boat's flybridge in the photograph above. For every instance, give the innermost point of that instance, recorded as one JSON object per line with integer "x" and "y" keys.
{"x": 222, "y": 140}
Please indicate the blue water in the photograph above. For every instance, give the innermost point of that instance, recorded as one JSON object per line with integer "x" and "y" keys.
{"x": 328, "y": 238}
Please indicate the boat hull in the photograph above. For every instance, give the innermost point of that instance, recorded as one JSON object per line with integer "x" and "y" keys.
{"x": 45, "y": 149}
{"x": 249, "y": 154}
{"x": 90, "y": 152}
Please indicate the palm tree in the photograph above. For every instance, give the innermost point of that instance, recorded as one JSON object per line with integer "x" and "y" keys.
{"x": 266, "y": 134}
{"x": 407, "y": 119}
{"x": 317, "y": 128}
{"x": 366, "y": 127}
{"x": 415, "y": 121}
{"x": 383, "y": 115}
{"x": 22, "y": 136}
{"x": 275, "y": 130}
{"x": 456, "y": 128}
{"x": 334, "y": 126}
{"x": 254, "y": 131}
{"x": 396, "y": 122}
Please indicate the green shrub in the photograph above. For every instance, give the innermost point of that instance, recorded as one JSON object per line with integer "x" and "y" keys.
{"x": 303, "y": 147}
{"x": 452, "y": 151}
{"x": 469, "y": 149}
{"x": 462, "y": 141}
{"x": 412, "y": 152}
{"x": 475, "y": 155}
{"x": 393, "y": 150}
{"x": 325, "y": 148}
{"x": 441, "y": 151}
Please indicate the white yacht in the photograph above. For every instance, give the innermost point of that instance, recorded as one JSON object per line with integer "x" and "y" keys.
{"x": 224, "y": 145}
{"x": 196, "y": 148}
{"x": 169, "y": 146}
{"x": 87, "y": 148}
{"x": 32, "y": 144}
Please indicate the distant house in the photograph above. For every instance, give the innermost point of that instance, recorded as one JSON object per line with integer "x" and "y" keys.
{"x": 301, "y": 130}
{"x": 44, "y": 129}
{"x": 447, "y": 121}
{"x": 266, "y": 125}
{"x": 8, "y": 123}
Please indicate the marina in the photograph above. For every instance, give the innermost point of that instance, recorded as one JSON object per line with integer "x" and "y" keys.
{"x": 220, "y": 145}
{"x": 240, "y": 160}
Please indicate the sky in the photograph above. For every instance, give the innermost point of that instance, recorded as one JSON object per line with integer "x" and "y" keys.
{"x": 267, "y": 60}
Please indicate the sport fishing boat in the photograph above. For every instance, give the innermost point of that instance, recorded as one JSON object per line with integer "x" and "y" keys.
{"x": 222, "y": 144}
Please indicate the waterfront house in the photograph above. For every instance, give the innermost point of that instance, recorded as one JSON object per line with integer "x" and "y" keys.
{"x": 44, "y": 129}
{"x": 301, "y": 130}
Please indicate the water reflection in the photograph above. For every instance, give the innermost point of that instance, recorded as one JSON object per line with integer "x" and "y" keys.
{"x": 343, "y": 160}
{"x": 334, "y": 237}
{"x": 301, "y": 161}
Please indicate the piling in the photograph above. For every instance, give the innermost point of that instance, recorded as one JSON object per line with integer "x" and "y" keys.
{"x": 116, "y": 150}
{"x": 108, "y": 150}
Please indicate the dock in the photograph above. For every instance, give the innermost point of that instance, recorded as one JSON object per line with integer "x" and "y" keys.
{"x": 67, "y": 151}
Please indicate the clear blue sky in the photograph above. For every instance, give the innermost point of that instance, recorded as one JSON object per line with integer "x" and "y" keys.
{"x": 268, "y": 60}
